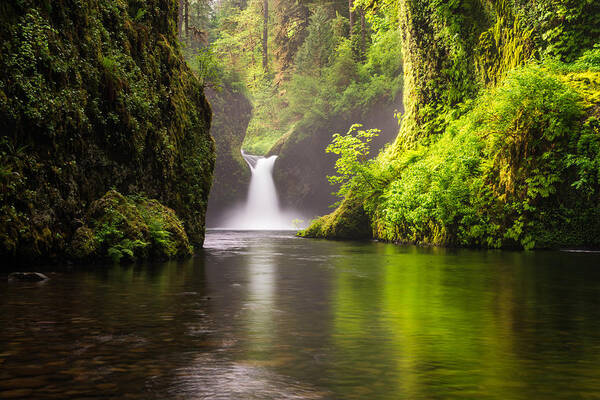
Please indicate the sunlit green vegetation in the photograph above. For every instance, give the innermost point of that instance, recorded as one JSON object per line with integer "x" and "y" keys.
{"x": 520, "y": 167}
{"x": 316, "y": 69}
{"x": 500, "y": 146}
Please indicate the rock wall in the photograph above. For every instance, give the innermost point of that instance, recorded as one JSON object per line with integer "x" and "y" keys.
{"x": 232, "y": 111}
{"x": 500, "y": 129}
{"x": 95, "y": 95}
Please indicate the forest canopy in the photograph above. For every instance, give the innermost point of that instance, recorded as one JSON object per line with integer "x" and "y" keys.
{"x": 308, "y": 66}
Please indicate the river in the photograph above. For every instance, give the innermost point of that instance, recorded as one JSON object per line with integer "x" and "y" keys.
{"x": 266, "y": 315}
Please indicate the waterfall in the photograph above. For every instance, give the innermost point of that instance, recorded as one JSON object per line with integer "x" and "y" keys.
{"x": 262, "y": 206}
{"x": 261, "y": 211}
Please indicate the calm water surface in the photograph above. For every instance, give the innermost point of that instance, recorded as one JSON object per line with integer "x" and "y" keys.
{"x": 271, "y": 316}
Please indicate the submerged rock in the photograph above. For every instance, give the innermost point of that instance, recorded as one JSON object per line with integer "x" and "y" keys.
{"x": 27, "y": 277}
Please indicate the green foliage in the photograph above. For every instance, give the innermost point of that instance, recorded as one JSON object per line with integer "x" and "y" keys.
{"x": 116, "y": 229}
{"x": 207, "y": 67}
{"x": 564, "y": 27}
{"x": 315, "y": 74}
{"x": 337, "y": 87}
{"x": 496, "y": 176}
{"x": 140, "y": 14}
{"x": 355, "y": 171}
{"x": 589, "y": 61}
{"x": 430, "y": 202}
{"x": 237, "y": 42}
{"x": 384, "y": 57}
{"x": 315, "y": 52}
{"x": 495, "y": 149}
{"x": 125, "y": 248}
{"x": 519, "y": 167}
{"x": 267, "y": 119}
{"x": 344, "y": 69}
{"x": 130, "y": 228}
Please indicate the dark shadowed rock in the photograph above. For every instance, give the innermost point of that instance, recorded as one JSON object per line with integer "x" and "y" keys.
{"x": 27, "y": 277}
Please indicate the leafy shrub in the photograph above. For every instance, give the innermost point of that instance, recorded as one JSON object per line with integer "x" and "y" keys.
{"x": 496, "y": 175}
{"x": 431, "y": 201}
{"x": 207, "y": 67}
{"x": 125, "y": 248}
{"x": 353, "y": 166}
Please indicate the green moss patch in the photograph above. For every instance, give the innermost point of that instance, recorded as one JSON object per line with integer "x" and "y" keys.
{"x": 130, "y": 228}
{"x": 348, "y": 221}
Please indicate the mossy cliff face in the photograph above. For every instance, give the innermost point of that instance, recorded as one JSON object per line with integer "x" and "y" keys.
{"x": 508, "y": 158}
{"x": 232, "y": 111}
{"x": 452, "y": 50}
{"x": 95, "y": 95}
{"x": 438, "y": 42}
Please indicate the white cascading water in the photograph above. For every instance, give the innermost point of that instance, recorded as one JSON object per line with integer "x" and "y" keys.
{"x": 261, "y": 211}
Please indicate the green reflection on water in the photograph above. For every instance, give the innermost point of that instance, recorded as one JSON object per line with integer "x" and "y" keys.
{"x": 458, "y": 324}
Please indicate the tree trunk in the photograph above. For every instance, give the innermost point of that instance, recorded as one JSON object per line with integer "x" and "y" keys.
{"x": 187, "y": 20}
{"x": 179, "y": 18}
{"x": 363, "y": 33}
{"x": 265, "y": 60}
{"x": 200, "y": 40}
{"x": 350, "y": 5}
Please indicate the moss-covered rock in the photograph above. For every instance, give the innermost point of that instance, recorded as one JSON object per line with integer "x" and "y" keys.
{"x": 438, "y": 46}
{"x": 348, "y": 221}
{"x": 95, "y": 95}
{"x": 129, "y": 228}
{"x": 83, "y": 244}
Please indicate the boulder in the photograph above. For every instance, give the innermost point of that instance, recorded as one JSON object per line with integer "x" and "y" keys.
{"x": 27, "y": 277}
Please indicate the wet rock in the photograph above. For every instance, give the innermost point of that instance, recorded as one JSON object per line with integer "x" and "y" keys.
{"x": 166, "y": 151}
{"x": 27, "y": 277}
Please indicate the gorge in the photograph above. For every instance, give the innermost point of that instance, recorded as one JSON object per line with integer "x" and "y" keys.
{"x": 298, "y": 199}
